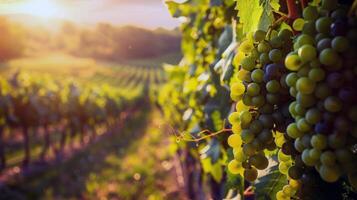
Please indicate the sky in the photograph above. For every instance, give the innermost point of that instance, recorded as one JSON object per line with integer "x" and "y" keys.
{"x": 145, "y": 13}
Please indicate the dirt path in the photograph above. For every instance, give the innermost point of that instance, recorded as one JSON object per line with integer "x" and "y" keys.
{"x": 135, "y": 164}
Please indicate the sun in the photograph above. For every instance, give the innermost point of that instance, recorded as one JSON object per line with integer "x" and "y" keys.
{"x": 41, "y": 8}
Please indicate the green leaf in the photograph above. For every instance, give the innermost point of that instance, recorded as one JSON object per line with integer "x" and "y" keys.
{"x": 249, "y": 13}
{"x": 268, "y": 185}
{"x": 217, "y": 172}
{"x": 275, "y": 4}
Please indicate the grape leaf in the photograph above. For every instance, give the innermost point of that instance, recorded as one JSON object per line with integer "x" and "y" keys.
{"x": 249, "y": 13}
{"x": 268, "y": 185}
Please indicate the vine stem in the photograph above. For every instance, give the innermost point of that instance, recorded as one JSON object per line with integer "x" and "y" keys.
{"x": 292, "y": 9}
{"x": 206, "y": 136}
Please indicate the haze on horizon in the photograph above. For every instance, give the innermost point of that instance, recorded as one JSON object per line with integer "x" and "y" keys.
{"x": 143, "y": 13}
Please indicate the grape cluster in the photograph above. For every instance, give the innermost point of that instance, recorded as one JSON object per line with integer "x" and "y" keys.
{"x": 262, "y": 101}
{"x": 322, "y": 73}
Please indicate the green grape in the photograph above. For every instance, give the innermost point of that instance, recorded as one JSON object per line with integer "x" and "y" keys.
{"x": 234, "y": 118}
{"x": 257, "y": 145}
{"x": 285, "y": 34}
{"x": 238, "y": 88}
{"x": 329, "y": 4}
{"x": 256, "y": 127}
{"x": 306, "y": 158}
{"x": 273, "y": 86}
{"x": 246, "y": 46}
{"x": 323, "y": 24}
{"x": 305, "y": 85}
{"x": 344, "y": 155}
{"x": 309, "y": 28}
{"x": 333, "y": 104}
{"x": 234, "y": 140}
{"x": 315, "y": 154}
{"x": 247, "y": 136}
{"x": 267, "y": 121}
{"x": 291, "y": 79}
{"x": 321, "y": 36}
{"x": 247, "y": 100}
{"x": 248, "y": 63}
{"x": 304, "y": 70}
{"x": 259, "y": 161}
{"x": 292, "y": 108}
{"x": 322, "y": 91}
{"x": 250, "y": 174}
{"x": 310, "y": 13}
{"x": 319, "y": 141}
{"x": 235, "y": 167}
{"x": 293, "y": 131}
{"x": 328, "y": 158}
{"x": 306, "y": 141}
{"x": 281, "y": 196}
{"x": 253, "y": 89}
{"x": 258, "y": 100}
{"x": 259, "y": 35}
{"x": 303, "y": 125}
{"x": 264, "y": 58}
{"x": 305, "y": 100}
{"x": 249, "y": 149}
{"x": 300, "y": 110}
{"x": 313, "y": 116}
{"x": 276, "y": 42}
{"x": 329, "y": 174}
{"x": 307, "y": 53}
{"x": 305, "y": 39}
{"x": 265, "y": 136}
{"x": 315, "y": 63}
{"x": 316, "y": 74}
{"x": 298, "y": 24}
{"x": 239, "y": 155}
{"x": 275, "y": 55}
{"x": 336, "y": 140}
{"x": 257, "y": 75}
{"x": 293, "y": 62}
{"x": 293, "y": 92}
{"x": 283, "y": 157}
{"x": 284, "y": 167}
{"x": 263, "y": 47}
{"x": 339, "y": 44}
{"x": 298, "y": 145}
{"x": 245, "y": 117}
{"x": 295, "y": 172}
{"x": 329, "y": 57}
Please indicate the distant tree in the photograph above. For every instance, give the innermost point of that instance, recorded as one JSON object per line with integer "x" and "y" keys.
{"x": 12, "y": 43}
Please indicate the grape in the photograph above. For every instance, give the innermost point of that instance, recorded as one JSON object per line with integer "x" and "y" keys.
{"x": 259, "y": 161}
{"x": 284, "y": 167}
{"x": 263, "y": 47}
{"x": 273, "y": 86}
{"x": 307, "y": 53}
{"x": 248, "y": 63}
{"x": 298, "y": 145}
{"x": 305, "y": 100}
{"x": 247, "y": 136}
{"x": 293, "y": 131}
{"x": 253, "y": 89}
{"x": 246, "y": 46}
{"x": 309, "y": 28}
{"x": 249, "y": 149}
{"x": 319, "y": 141}
{"x": 266, "y": 120}
{"x": 336, "y": 141}
{"x": 305, "y": 85}
{"x": 323, "y": 24}
{"x": 333, "y": 104}
{"x": 315, "y": 154}
{"x": 328, "y": 158}
{"x": 272, "y": 98}
{"x": 257, "y": 75}
{"x": 303, "y": 125}
{"x": 321, "y": 36}
{"x": 281, "y": 196}
{"x": 264, "y": 58}
{"x": 310, "y": 13}
{"x": 275, "y": 55}
{"x": 258, "y": 100}
{"x": 238, "y": 88}
{"x": 324, "y": 44}
{"x": 235, "y": 167}
{"x": 245, "y": 117}
{"x": 329, "y": 4}
{"x": 339, "y": 28}
{"x": 328, "y": 57}
{"x": 347, "y": 95}
{"x": 238, "y": 155}
{"x": 339, "y": 44}
{"x": 265, "y": 136}
{"x": 295, "y": 172}
{"x": 305, "y": 39}
{"x": 322, "y": 91}
{"x": 293, "y": 62}
{"x": 291, "y": 79}
{"x": 298, "y": 24}
{"x": 307, "y": 159}
{"x": 244, "y": 75}
{"x": 259, "y": 35}
{"x": 321, "y": 127}
{"x": 344, "y": 155}
{"x": 272, "y": 71}
{"x": 234, "y": 118}
{"x": 250, "y": 174}
{"x": 234, "y": 140}
{"x": 276, "y": 42}
{"x": 329, "y": 174}
{"x": 285, "y": 34}
{"x": 300, "y": 110}
{"x": 316, "y": 74}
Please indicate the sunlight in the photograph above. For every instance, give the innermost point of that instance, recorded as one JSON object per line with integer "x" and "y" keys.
{"x": 41, "y": 8}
